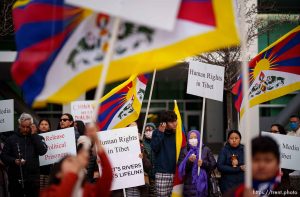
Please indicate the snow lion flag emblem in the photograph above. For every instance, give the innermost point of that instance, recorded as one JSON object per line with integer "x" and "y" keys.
{"x": 61, "y": 48}
{"x": 274, "y": 72}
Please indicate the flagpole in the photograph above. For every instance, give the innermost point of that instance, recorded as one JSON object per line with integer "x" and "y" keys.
{"x": 124, "y": 193}
{"x": 149, "y": 101}
{"x": 201, "y": 131}
{"x": 245, "y": 76}
{"x": 106, "y": 62}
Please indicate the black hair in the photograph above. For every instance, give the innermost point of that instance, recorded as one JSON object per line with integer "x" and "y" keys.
{"x": 234, "y": 131}
{"x": 47, "y": 120}
{"x": 79, "y": 147}
{"x": 280, "y": 128}
{"x": 265, "y": 144}
{"x": 80, "y": 127}
{"x": 294, "y": 116}
{"x": 69, "y": 116}
{"x": 168, "y": 116}
{"x": 53, "y": 179}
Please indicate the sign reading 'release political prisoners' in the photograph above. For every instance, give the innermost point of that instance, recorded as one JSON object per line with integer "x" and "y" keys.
{"x": 123, "y": 148}
{"x": 83, "y": 110}
{"x": 289, "y": 150}
{"x": 6, "y": 115}
{"x": 205, "y": 80}
{"x": 60, "y": 143}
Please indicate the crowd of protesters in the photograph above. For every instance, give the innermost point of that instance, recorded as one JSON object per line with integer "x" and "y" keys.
{"x": 76, "y": 176}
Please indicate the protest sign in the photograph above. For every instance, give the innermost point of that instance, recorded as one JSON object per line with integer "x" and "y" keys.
{"x": 289, "y": 150}
{"x": 159, "y": 14}
{"x": 6, "y": 115}
{"x": 205, "y": 80}
{"x": 60, "y": 143}
{"x": 83, "y": 110}
{"x": 123, "y": 148}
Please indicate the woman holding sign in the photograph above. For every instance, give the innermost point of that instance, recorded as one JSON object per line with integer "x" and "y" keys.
{"x": 44, "y": 126}
{"x": 66, "y": 179}
{"x": 194, "y": 185}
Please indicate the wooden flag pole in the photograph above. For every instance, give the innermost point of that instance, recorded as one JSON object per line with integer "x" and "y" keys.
{"x": 149, "y": 101}
{"x": 106, "y": 62}
{"x": 201, "y": 131}
{"x": 245, "y": 76}
{"x": 124, "y": 193}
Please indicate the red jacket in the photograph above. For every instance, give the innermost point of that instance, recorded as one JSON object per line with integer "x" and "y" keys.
{"x": 100, "y": 188}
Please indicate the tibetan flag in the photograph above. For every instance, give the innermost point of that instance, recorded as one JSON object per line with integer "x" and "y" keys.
{"x": 274, "y": 72}
{"x": 180, "y": 143}
{"x": 122, "y": 105}
{"x": 70, "y": 62}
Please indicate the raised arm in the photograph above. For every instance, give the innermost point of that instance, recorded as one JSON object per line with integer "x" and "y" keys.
{"x": 156, "y": 142}
{"x": 103, "y": 185}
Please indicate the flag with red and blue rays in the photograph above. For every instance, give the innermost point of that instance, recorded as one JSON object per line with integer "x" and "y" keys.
{"x": 274, "y": 72}
{"x": 122, "y": 105}
{"x": 41, "y": 29}
{"x": 61, "y": 48}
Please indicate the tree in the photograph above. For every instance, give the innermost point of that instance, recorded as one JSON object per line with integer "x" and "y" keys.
{"x": 230, "y": 57}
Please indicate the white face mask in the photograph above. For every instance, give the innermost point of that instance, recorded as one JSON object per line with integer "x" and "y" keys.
{"x": 193, "y": 142}
{"x": 148, "y": 134}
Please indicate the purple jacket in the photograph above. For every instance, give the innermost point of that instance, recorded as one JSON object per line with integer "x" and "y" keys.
{"x": 209, "y": 163}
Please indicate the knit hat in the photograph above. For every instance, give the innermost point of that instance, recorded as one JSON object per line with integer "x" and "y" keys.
{"x": 150, "y": 124}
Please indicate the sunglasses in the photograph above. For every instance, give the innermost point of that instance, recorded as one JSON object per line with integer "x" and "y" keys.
{"x": 64, "y": 119}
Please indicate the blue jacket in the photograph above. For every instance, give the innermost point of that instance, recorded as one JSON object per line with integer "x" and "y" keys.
{"x": 230, "y": 176}
{"x": 164, "y": 148}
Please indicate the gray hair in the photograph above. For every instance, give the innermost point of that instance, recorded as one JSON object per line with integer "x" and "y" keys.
{"x": 24, "y": 117}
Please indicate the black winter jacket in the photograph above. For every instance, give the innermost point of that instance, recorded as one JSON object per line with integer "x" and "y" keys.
{"x": 31, "y": 147}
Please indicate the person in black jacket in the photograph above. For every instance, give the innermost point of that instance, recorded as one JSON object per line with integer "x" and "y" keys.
{"x": 163, "y": 144}
{"x": 231, "y": 162}
{"x": 21, "y": 155}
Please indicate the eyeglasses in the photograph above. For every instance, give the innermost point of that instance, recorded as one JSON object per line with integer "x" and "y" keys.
{"x": 64, "y": 119}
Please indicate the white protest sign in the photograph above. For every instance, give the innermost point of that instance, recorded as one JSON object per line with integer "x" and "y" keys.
{"x": 205, "y": 80}
{"x": 160, "y": 14}
{"x": 289, "y": 150}
{"x": 83, "y": 110}
{"x": 123, "y": 148}
{"x": 6, "y": 115}
{"x": 60, "y": 143}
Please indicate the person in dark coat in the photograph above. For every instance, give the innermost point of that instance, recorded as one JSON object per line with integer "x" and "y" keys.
{"x": 163, "y": 144}
{"x": 21, "y": 155}
{"x": 150, "y": 127}
{"x": 194, "y": 185}
{"x": 44, "y": 126}
{"x": 231, "y": 162}
{"x": 266, "y": 174}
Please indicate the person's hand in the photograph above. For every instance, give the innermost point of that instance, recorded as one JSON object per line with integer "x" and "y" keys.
{"x": 162, "y": 127}
{"x": 96, "y": 175}
{"x": 235, "y": 162}
{"x": 141, "y": 155}
{"x": 200, "y": 162}
{"x": 72, "y": 165}
{"x": 243, "y": 167}
{"x": 20, "y": 162}
{"x": 192, "y": 158}
{"x": 249, "y": 193}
